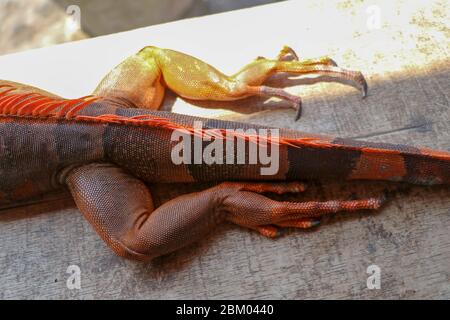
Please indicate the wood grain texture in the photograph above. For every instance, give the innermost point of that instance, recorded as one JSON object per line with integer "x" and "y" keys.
{"x": 408, "y": 70}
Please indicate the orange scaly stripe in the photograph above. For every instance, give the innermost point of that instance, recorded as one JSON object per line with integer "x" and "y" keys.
{"x": 6, "y": 91}
{"x": 71, "y": 103}
{"x": 30, "y": 106}
{"x": 70, "y": 114}
{"x": 28, "y": 110}
{"x": 22, "y": 103}
{"x": 4, "y": 94}
{"x": 4, "y": 102}
{"x": 20, "y": 106}
{"x": 47, "y": 110}
{"x": 104, "y": 118}
{"x": 17, "y": 106}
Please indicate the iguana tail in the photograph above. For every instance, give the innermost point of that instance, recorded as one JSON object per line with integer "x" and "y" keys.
{"x": 361, "y": 160}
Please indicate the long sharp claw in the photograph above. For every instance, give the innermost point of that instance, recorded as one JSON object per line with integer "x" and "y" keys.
{"x": 364, "y": 87}
{"x": 358, "y": 79}
{"x": 299, "y": 109}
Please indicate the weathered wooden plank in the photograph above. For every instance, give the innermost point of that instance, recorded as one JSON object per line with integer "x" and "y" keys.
{"x": 408, "y": 70}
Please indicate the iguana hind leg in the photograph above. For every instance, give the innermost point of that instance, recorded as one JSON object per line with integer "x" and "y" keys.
{"x": 120, "y": 208}
{"x": 136, "y": 80}
{"x": 142, "y": 78}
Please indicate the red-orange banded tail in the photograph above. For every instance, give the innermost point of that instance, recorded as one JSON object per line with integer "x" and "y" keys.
{"x": 359, "y": 160}
{"x": 317, "y": 158}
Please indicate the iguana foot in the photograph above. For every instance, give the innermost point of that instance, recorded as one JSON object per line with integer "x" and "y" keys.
{"x": 247, "y": 208}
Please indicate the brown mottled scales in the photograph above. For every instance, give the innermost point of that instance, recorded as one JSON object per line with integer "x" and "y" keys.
{"x": 104, "y": 147}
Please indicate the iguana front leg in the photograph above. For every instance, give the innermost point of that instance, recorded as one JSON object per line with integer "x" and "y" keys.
{"x": 142, "y": 78}
{"x": 120, "y": 208}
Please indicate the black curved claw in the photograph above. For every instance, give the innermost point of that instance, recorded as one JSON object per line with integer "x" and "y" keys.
{"x": 299, "y": 111}
{"x": 364, "y": 87}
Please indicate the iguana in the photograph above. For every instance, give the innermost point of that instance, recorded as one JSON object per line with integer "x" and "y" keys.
{"x": 104, "y": 148}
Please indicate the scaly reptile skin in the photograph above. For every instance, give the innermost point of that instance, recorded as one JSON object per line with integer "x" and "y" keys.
{"x": 103, "y": 149}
